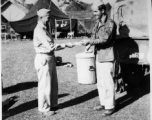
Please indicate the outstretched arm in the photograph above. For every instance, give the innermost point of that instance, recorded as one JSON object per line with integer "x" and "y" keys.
{"x": 104, "y": 36}
{"x": 62, "y": 46}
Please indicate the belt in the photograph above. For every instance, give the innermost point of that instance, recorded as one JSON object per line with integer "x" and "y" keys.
{"x": 45, "y": 53}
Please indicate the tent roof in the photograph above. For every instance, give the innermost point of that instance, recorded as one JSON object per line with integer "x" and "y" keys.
{"x": 3, "y": 19}
{"x": 28, "y": 23}
{"x": 55, "y": 11}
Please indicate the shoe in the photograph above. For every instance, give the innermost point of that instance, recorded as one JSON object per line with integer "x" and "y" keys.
{"x": 49, "y": 113}
{"x": 108, "y": 112}
{"x": 56, "y": 107}
{"x": 98, "y": 108}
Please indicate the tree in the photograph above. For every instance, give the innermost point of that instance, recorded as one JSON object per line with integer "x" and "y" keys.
{"x": 77, "y": 6}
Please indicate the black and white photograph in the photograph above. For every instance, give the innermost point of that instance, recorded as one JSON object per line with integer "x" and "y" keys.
{"x": 76, "y": 59}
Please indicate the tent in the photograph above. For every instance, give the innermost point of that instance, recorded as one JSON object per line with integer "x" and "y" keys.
{"x": 12, "y": 11}
{"x": 3, "y": 19}
{"x": 28, "y": 23}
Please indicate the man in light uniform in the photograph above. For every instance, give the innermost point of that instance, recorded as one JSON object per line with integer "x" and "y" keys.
{"x": 104, "y": 35}
{"x": 45, "y": 64}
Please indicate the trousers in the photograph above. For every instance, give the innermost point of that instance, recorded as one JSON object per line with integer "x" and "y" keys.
{"x": 105, "y": 84}
{"x": 47, "y": 82}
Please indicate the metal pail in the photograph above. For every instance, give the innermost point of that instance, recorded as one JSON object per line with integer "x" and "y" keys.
{"x": 86, "y": 70}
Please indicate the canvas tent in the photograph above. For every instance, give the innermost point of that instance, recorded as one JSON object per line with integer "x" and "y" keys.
{"x": 28, "y": 23}
{"x": 3, "y": 19}
{"x": 12, "y": 11}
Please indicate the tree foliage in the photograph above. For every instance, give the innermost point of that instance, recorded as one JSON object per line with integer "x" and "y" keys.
{"x": 77, "y": 6}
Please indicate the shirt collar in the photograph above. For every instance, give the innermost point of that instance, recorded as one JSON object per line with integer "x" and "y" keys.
{"x": 42, "y": 25}
{"x": 103, "y": 19}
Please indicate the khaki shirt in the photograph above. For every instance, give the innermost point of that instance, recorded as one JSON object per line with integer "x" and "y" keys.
{"x": 43, "y": 41}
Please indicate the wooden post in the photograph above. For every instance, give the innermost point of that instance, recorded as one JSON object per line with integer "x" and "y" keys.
{"x": 49, "y": 24}
{"x": 55, "y": 30}
{"x": 5, "y": 38}
{"x": 70, "y": 26}
{"x": 149, "y": 3}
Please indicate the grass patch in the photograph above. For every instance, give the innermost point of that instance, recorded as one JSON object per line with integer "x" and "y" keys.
{"x": 20, "y": 79}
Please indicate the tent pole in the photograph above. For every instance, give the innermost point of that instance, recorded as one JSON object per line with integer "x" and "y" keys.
{"x": 50, "y": 29}
{"x": 55, "y": 30}
{"x": 70, "y": 26}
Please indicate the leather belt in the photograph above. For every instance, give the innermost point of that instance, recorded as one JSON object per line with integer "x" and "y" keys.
{"x": 46, "y": 53}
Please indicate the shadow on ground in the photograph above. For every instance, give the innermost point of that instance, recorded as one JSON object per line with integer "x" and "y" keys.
{"x": 134, "y": 95}
{"x": 7, "y": 104}
{"x": 26, "y": 106}
{"x": 80, "y": 99}
{"x": 67, "y": 64}
{"x": 19, "y": 87}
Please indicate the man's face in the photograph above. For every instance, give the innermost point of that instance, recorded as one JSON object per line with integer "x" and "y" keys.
{"x": 46, "y": 18}
{"x": 97, "y": 13}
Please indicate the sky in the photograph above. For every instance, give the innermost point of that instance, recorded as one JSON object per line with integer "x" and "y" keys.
{"x": 30, "y": 1}
{"x": 111, "y": 2}
{"x": 105, "y": 1}
{"x": 86, "y": 1}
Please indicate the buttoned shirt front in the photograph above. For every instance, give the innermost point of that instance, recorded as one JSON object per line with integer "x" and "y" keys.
{"x": 43, "y": 41}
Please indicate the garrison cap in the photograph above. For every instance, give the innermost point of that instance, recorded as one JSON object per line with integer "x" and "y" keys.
{"x": 42, "y": 12}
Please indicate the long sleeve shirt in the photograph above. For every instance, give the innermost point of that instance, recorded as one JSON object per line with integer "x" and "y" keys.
{"x": 104, "y": 36}
{"x": 43, "y": 41}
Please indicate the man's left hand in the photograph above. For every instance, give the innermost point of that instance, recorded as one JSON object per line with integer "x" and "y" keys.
{"x": 69, "y": 45}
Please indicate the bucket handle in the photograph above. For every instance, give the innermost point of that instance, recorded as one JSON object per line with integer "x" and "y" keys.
{"x": 91, "y": 68}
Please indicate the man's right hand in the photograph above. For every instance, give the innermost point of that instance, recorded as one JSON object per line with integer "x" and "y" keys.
{"x": 85, "y": 42}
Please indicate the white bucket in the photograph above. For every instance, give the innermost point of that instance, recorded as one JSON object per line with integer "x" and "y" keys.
{"x": 86, "y": 68}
